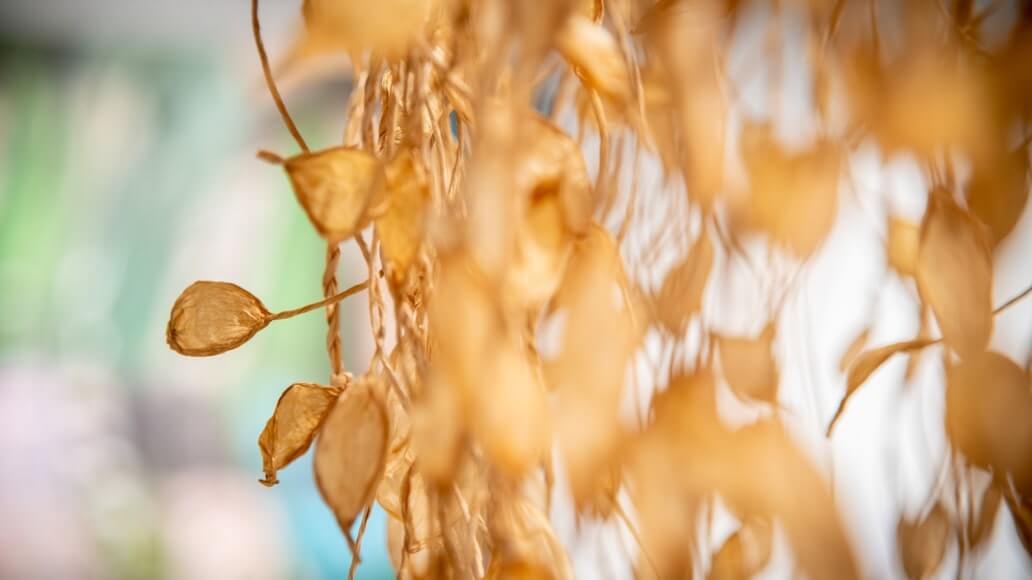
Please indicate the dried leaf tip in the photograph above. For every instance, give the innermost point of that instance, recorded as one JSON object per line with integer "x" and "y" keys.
{"x": 210, "y": 318}
{"x": 299, "y": 414}
{"x": 336, "y": 187}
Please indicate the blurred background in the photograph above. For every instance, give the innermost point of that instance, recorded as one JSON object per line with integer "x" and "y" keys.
{"x": 127, "y": 170}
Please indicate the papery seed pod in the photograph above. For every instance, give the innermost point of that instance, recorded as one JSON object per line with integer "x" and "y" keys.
{"x": 595, "y": 55}
{"x": 511, "y": 415}
{"x": 336, "y": 187}
{"x": 354, "y": 25}
{"x": 682, "y": 292}
{"x": 745, "y": 553}
{"x": 902, "y": 246}
{"x": 922, "y": 544}
{"x": 748, "y": 365}
{"x": 350, "y": 452}
{"x": 210, "y": 318}
{"x": 403, "y": 223}
{"x": 989, "y": 414}
{"x": 955, "y": 275}
{"x": 551, "y": 161}
{"x": 299, "y": 414}
{"x": 793, "y": 197}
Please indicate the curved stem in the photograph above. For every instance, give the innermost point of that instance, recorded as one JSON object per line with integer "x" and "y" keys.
{"x": 270, "y": 82}
{"x": 316, "y": 305}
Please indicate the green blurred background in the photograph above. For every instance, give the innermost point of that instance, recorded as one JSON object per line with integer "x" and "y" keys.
{"x": 127, "y": 170}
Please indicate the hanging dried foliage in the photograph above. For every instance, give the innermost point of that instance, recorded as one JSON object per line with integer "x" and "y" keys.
{"x": 492, "y": 175}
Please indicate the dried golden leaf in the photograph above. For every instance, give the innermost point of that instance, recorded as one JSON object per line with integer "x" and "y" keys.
{"x": 765, "y": 474}
{"x": 903, "y": 244}
{"x": 350, "y": 452}
{"x": 749, "y": 366}
{"x": 998, "y": 191}
{"x": 1021, "y": 510}
{"x": 854, "y": 349}
{"x": 597, "y": 312}
{"x": 955, "y": 275}
{"x": 980, "y": 529}
{"x": 682, "y": 291}
{"x": 438, "y": 426}
{"x": 335, "y": 187}
{"x": 463, "y": 318}
{"x": 511, "y": 416}
{"x": 868, "y": 362}
{"x": 989, "y": 414}
{"x": 794, "y": 196}
{"x": 543, "y": 246}
{"x": 299, "y": 414}
{"x": 402, "y": 225}
{"x": 388, "y": 26}
{"x": 210, "y": 318}
{"x": 530, "y": 545}
{"x": 551, "y": 162}
{"x": 922, "y": 544}
{"x": 595, "y": 55}
{"x": 744, "y": 553}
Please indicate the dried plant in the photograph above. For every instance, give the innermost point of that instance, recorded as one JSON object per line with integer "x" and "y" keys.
{"x": 523, "y": 280}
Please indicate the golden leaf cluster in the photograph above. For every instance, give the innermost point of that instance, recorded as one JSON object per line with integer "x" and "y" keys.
{"x": 525, "y": 282}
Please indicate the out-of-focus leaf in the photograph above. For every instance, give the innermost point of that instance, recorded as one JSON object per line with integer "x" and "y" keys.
{"x": 854, "y": 348}
{"x": 955, "y": 275}
{"x": 980, "y": 528}
{"x": 1021, "y": 511}
{"x": 998, "y": 191}
{"x": 402, "y": 225}
{"x": 388, "y": 26}
{"x": 552, "y": 161}
{"x": 749, "y": 366}
{"x": 868, "y": 362}
{"x": 903, "y": 244}
{"x": 511, "y": 415}
{"x": 350, "y": 452}
{"x": 922, "y": 544}
{"x": 439, "y": 422}
{"x": 299, "y": 413}
{"x": 543, "y": 246}
{"x": 682, "y": 291}
{"x": 595, "y": 55}
{"x": 793, "y": 197}
{"x": 744, "y": 553}
{"x": 989, "y": 414}
{"x": 210, "y": 318}
{"x": 335, "y": 187}
{"x": 594, "y": 304}
{"x": 532, "y": 550}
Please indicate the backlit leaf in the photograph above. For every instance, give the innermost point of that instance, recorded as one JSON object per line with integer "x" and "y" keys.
{"x": 922, "y": 544}
{"x": 682, "y": 291}
{"x": 744, "y": 553}
{"x": 350, "y": 452}
{"x": 955, "y": 275}
{"x": 989, "y": 414}
{"x": 748, "y": 365}
{"x": 903, "y": 246}
{"x": 868, "y": 362}
{"x": 387, "y": 26}
{"x": 595, "y": 55}
{"x": 210, "y": 318}
{"x": 299, "y": 414}
{"x": 402, "y": 225}
{"x": 335, "y": 187}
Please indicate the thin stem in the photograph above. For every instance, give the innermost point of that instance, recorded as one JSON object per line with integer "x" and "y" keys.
{"x": 270, "y": 82}
{"x": 316, "y": 305}
{"x": 1012, "y": 301}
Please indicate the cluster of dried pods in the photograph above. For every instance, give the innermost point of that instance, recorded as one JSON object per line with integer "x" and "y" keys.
{"x": 518, "y": 278}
